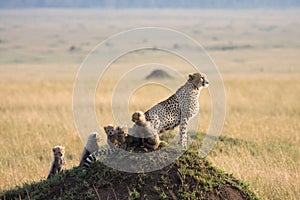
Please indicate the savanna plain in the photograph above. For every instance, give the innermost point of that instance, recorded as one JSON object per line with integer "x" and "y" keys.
{"x": 256, "y": 51}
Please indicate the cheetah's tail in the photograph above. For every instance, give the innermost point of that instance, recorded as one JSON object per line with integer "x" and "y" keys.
{"x": 93, "y": 156}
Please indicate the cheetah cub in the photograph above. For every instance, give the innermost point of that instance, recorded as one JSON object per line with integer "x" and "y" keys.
{"x": 58, "y": 163}
{"x": 143, "y": 129}
{"x": 90, "y": 146}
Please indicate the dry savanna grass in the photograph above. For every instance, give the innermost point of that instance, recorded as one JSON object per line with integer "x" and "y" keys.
{"x": 37, "y": 114}
{"x": 262, "y": 135}
{"x": 257, "y": 53}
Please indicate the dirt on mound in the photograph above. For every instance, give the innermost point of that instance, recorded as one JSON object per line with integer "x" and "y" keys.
{"x": 158, "y": 74}
{"x": 189, "y": 177}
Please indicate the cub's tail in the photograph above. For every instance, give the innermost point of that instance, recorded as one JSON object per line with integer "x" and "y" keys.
{"x": 93, "y": 156}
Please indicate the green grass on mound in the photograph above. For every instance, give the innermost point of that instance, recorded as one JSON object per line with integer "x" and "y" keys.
{"x": 189, "y": 177}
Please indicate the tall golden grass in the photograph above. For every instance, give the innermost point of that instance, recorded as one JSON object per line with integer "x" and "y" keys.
{"x": 264, "y": 113}
{"x": 36, "y": 114}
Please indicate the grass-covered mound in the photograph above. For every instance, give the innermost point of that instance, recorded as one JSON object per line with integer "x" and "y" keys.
{"x": 190, "y": 177}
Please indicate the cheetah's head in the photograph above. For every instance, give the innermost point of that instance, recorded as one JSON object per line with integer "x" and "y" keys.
{"x": 58, "y": 151}
{"x": 109, "y": 130}
{"x": 198, "y": 80}
{"x": 138, "y": 116}
{"x": 92, "y": 142}
{"x": 94, "y": 137}
{"x": 121, "y": 133}
{"x": 111, "y": 136}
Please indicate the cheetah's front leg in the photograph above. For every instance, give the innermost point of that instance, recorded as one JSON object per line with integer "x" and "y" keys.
{"x": 183, "y": 133}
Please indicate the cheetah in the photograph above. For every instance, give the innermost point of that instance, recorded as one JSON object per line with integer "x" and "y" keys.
{"x": 179, "y": 108}
{"x": 90, "y": 146}
{"x": 58, "y": 163}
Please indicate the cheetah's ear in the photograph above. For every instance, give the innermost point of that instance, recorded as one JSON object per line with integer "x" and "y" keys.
{"x": 191, "y": 77}
{"x": 134, "y": 117}
{"x": 53, "y": 149}
{"x": 106, "y": 129}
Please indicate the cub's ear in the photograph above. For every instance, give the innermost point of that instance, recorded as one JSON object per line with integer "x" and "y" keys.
{"x": 105, "y": 128}
{"x": 191, "y": 77}
{"x": 93, "y": 135}
{"x": 53, "y": 149}
{"x": 135, "y": 117}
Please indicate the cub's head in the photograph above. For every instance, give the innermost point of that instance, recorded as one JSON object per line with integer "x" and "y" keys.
{"x": 198, "y": 80}
{"x": 58, "y": 151}
{"x": 121, "y": 133}
{"x": 138, "y": 116}
{"x": 109, "y": 130}
{"x": 94, "y": 137}
{"x": 92, "y": 142}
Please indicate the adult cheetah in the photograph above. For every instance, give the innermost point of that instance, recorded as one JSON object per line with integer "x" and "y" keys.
{"x": 179, "y": 108}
